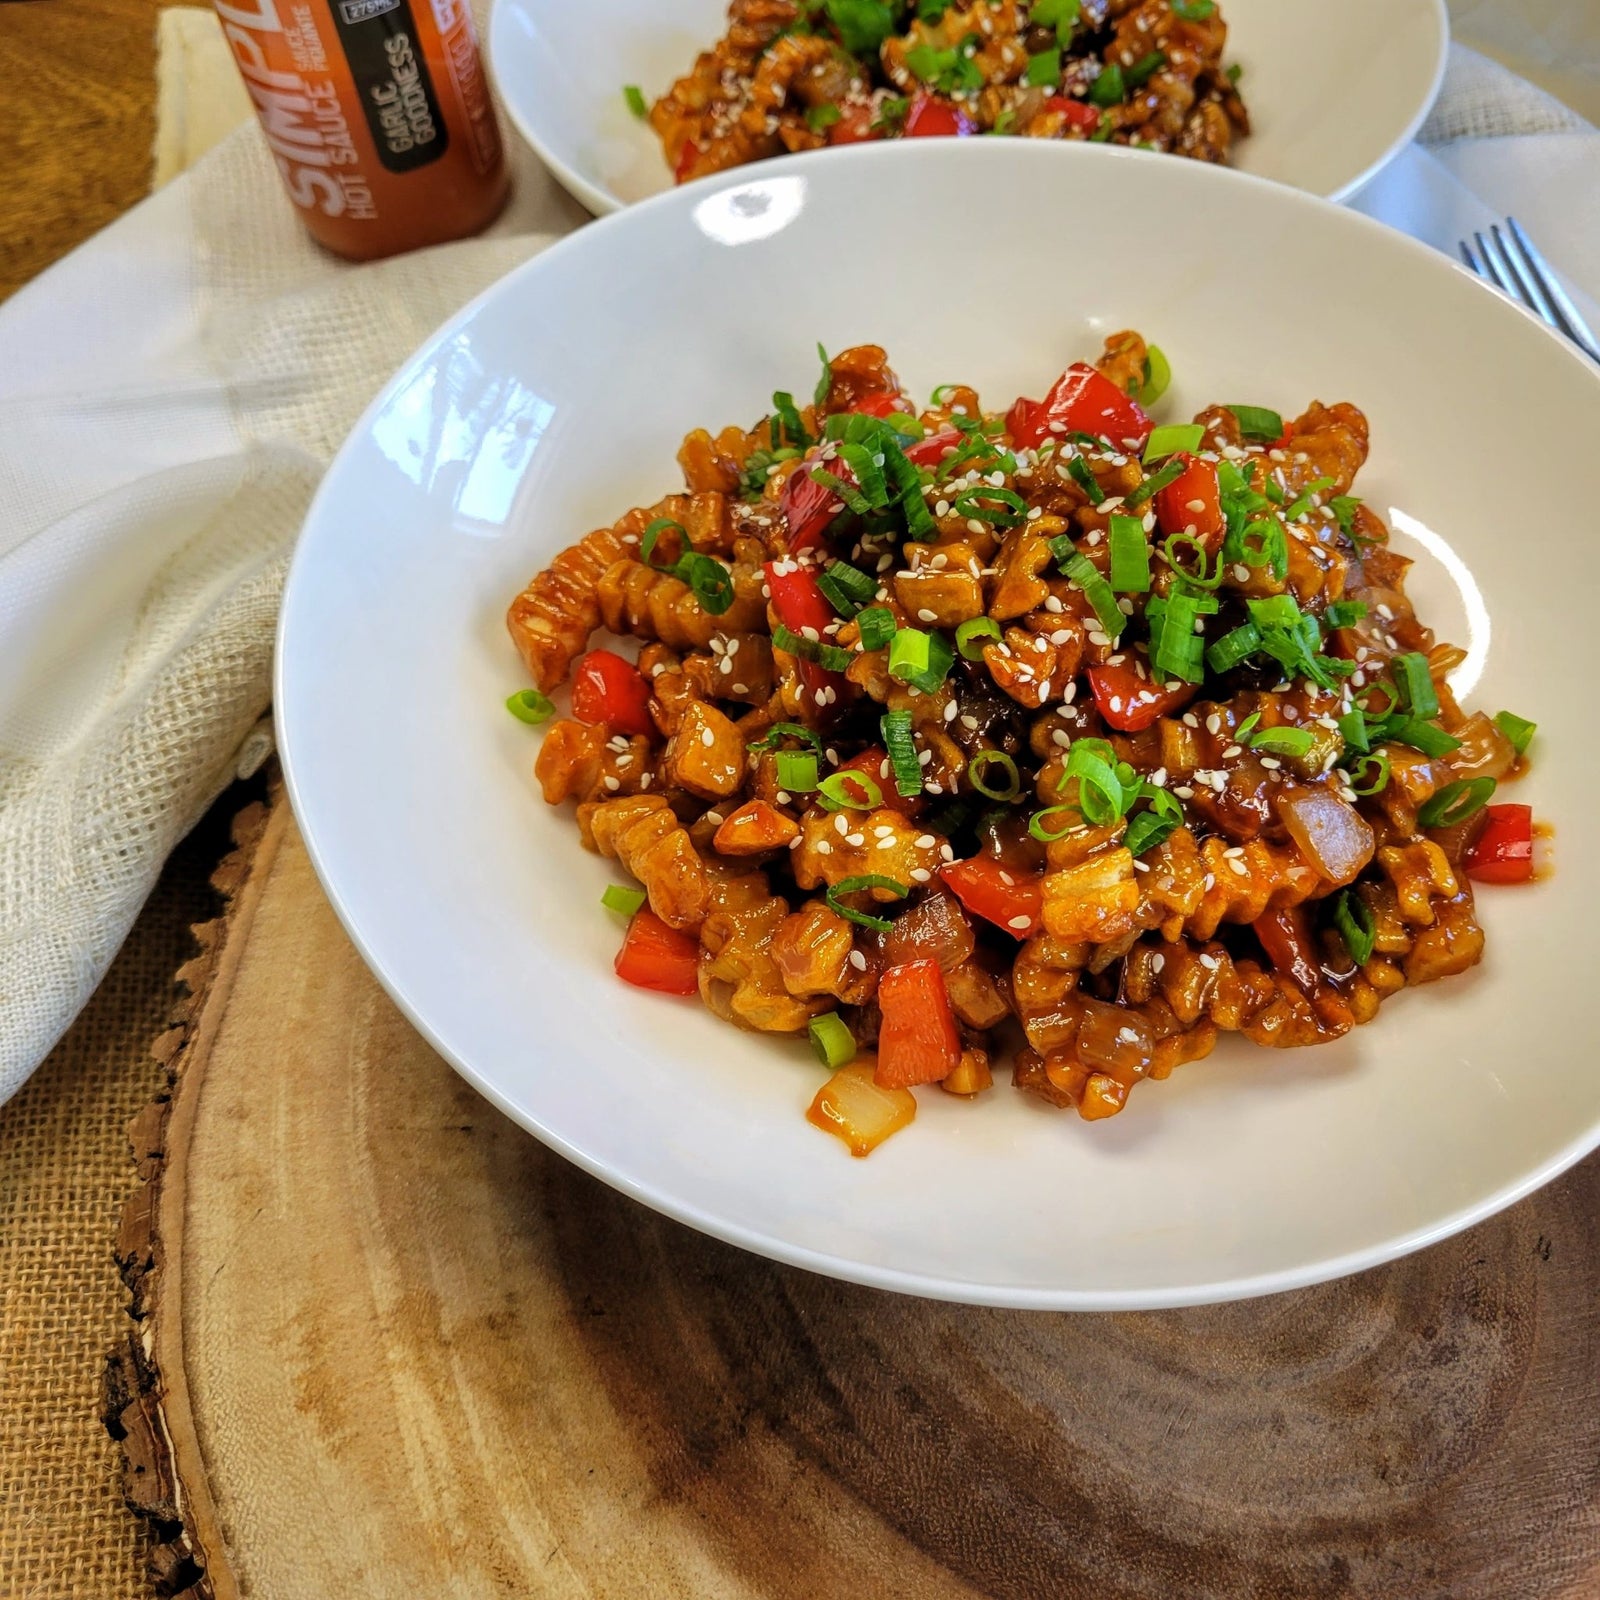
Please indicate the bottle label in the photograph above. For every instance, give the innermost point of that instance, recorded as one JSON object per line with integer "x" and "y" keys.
{"x": 379, "y": 40}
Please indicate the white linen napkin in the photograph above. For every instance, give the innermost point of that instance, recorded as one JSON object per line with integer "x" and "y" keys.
{"x": 169, "y": 397}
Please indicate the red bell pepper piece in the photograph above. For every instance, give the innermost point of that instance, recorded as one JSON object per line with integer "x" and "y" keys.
{"x": 917, "y": 1040}
{"x": 1079, "y": 114}
{"x": 687, "y": 157}
{"x": 872, "y": 762}
{"x": 1286, "y": 937}
{"x": 654, "y": 956}
{"x": 880, "y": 403}
{"x": 1018, "y": 418}
{"x": 808, "y": 506}
{"x": 802, "y": 606}
{"x": 1504, "y": 851}
{"x": 855, "y": 126}
{"x": 607, "y": 689}
{"x": 1192, "y": 501}
{"x": 1009, "y": 898}
{"x": 1084, "y": 400}
{"x": 1130, "y": 703}
{"x": 932, "y": 116}
{"x": 930, "y": 451}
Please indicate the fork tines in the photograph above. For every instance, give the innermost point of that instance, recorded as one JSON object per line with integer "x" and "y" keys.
{"x": 1511, "y": 260}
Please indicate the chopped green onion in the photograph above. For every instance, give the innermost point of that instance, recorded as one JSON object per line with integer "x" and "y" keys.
{"x": 1107, "y": 127}
{"x": 1456, "y": 802}
{"x": 1274, "y": 491}
{"x": 897, "y": 740}
{"x": 1009, "y": 509}
{"x": 820, "y": 118}
{"x": 922, "y": 660}
{"x": 1344, "y": 507}
{"x": 1353, "y": 730}
{"x": 637, "y": 104}
{"x": 1517, "y": 729}
{"x": 971, "y": 634}
{"x": 1156, "y": 825}
{"x": 1156, "y": 482}
{"x": 1157, "y": 376}
{"x": 1343, "y": 614}
{"x": 797, "y": 771}
{"x": 1193, "y": 10}
{"x": 625, "y": 901}
{"x": 1256, "y": 422}
{"x": 847, "y": 587}
{"x": 1109, "y": 88}
{"x": 787, "y": 414}
{"x": 855, "y": 886}
{"x": 1424, "y": 736}
{"x": 1241, "y": 734}
{"x": 1415, "y": 683}
{"x": 1173, "y": 437}
{"x": 1037, "y": 823}
{"x": 1044, "y": 69}
{"x": 1062, "y": 15}
{"x": 531, "y": 706}
{"x": 1352, "y": 916}
{"x": 827, "y": 656}
{"x": 877, "y": 627}
{"x": 825, "y": 382}
{"x": 1086, "y": 480}
{"x": 1233, "y": 72}
{"x": 833, "y": 1041}
{"x": 1202, "y": 576}
{"x": 854, "y": 791}
{"x": 852, "y": 497}
{"x": 1303, "y": 504}
{"x": 1179, "y": 652}
{"x": 1276, "y": 611}
{"x": 1144, "y": 69}
{"x": 1102, "y": 796}
{"x": 1378, "y": 765}
{"x": 863, "y": 24}
{"x": 788, "y": 730}
{"x": 1232, "y": 648}
{"x": 1083, "y": 572}
{"x": 1130, "y": 555}
{"x": 1284, "y": 741}
{"x": 711, "y": 581}
{"x": 981, "y": 763}
{"x": 651, "y": 537}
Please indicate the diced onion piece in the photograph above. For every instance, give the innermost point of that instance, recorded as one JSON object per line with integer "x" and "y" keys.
{"x": 1331, "y": 834}
{"x": 853, "y": 1108}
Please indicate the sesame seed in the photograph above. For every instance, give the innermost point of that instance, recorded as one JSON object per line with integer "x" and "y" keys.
{"x": 1184, "y": 792}
{"x": 1208, "y": 961}
{"x": 612, "y": 784}
{"x": 1239, "y": 867}
{"x": 1021, "y": 924}
{"x": 1127, "y": 1036}
{"x": 925, "y": 615}
{"x": 920, "y": 875}
{"x": 707, "y": 738}
{"x": 784, "y": 797}
{"x": 824, "y": 848}
{"x": 855, "y": 840}
{"x": 858, "y": 961}
{"x": 1271, "y": 763}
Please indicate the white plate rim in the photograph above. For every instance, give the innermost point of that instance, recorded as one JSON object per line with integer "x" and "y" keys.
{"x": 924, "y": 1285}
{"x": 601, "y": 202}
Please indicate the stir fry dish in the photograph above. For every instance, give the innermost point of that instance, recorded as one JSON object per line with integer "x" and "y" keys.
{"x": 795, "y": 75}
{"x": 952, "y": 728}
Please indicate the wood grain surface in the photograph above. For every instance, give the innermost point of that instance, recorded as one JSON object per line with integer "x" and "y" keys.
{"x": 391, "y": 1346}
{"x": 77, "y": 117}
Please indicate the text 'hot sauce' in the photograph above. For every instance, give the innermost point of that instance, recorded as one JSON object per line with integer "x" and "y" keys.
{"x": 378, "y": 115}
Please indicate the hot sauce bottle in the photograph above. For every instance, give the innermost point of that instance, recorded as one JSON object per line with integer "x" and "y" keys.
{"x": 378, "y": 115}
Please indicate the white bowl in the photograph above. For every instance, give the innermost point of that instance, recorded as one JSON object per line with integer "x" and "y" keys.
{"x": 557, "y": 400}
{"x": 1335, "y": 90}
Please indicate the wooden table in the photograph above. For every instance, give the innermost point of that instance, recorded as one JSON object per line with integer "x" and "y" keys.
{"x": 79, "y": 119}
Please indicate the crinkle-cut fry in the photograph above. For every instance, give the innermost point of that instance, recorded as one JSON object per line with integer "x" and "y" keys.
{"x": 813, "y": 948}
{"x": 1262, "y": 877}
{"x": 640, "y": 600}
{"x": 569, "y": 761}
{"x": 740, "y": 980}
{"x": 1097, "y": 900}
{"x": 715, "y": 464}
{"x": 882, "y": 843}
{"x": 996, "y": 27}
{"x": 1421, "y": 874}
{"x": 551, "y": 620}
{"x": 1019, "y": 587}
{"x": 1124, "y": 360}
{"x": 644, "y": 834}
{"x": 706, "y": 755}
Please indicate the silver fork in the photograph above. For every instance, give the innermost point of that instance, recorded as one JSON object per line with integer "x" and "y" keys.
{"x": 1512, "y": 262}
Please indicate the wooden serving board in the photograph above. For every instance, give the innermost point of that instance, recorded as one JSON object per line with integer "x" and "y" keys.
{"x": 388, "y": 1346}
